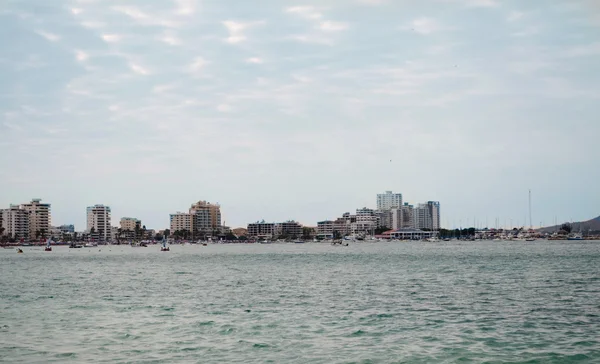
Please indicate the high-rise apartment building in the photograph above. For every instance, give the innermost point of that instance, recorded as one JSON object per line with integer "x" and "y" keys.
{"x": 388, "y": 201}
{"x": 434, "y": 213}
{"x": 39, "y": 218}
{"x": 206, "y": 216}
{"x": 15, "y": 222}
{"x": 98, "y": 222}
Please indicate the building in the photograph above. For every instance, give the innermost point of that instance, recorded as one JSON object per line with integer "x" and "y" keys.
{"x": 397, "y": 219}
{"x": 408, "y": 220}
{"x": 261, "y": 229}
{"x": 388, "y": 201}
{"x": 129, "y": 227}
{"x": 325, "y": 229}
{"x": 240, "y": 232}
{"x": 385, "y": 217}
{"x": 39, "y": 218}
{"x": 290, "y": 229}
{"x": 410, "y": 234}
{"x": 67, "y": 228}
{"x": 422, "y": 219}
{"x": 206, "y": 217}
{"x": 181, "y": 221}
{"x": 434, "y": 213}
{"x": 15, "y": 222}
{"x": 98, "y": 222}
{"x": 366, "y": 222}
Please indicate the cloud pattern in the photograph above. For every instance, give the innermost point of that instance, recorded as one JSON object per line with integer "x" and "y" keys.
{"x": 300, "y": 110}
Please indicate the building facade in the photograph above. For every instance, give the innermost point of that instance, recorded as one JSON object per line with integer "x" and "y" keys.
{"x": 180, "y": 221}
{"x": 261, "y": 229}
{"x": 434, "y": 213}
{"x": 389, "y": 200}
{"x": 15, "y": 222}
{"x": 39, "y": 218}
{"x": 98, "y": 222}
{"x": 206, "y": 217}
{"x": 408, "y": 219}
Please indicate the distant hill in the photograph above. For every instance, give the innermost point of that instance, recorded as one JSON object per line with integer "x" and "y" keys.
{"x": 584, "y": 226}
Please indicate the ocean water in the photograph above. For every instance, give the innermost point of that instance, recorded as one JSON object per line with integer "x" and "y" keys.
{"x": 464, "y": 302}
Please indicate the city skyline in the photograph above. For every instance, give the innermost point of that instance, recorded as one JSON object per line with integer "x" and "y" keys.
{"x": 300, "y": 110}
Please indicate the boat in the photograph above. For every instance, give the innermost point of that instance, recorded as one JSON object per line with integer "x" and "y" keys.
{"x": 75, "y": 246}
{"x": 299, "y": 242}
{"x": 575, "y": 236}
{"x": 48, "y": 247}
{"x": 90, "y": 245}
{"x": 164, "y": 247}
{"x": 19, "y": 250}
{"x": 530, "y": 239}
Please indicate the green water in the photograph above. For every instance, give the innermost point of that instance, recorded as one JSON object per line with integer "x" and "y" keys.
{"x": 484, "y": 302}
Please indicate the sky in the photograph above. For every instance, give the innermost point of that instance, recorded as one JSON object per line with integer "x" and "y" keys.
{"x": 301, "y": 109}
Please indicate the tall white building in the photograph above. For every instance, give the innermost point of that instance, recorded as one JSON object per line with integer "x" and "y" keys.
{"x": 98, "y": 222}
{"x": 39, "y": 218}
{"x": 15, "y": 222}
{"x": 389, "y": 200}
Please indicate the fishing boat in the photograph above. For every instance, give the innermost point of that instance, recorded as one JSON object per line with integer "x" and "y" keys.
{"x": 48, "y": 247}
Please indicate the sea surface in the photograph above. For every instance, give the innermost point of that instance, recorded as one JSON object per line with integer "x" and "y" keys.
{"x": 448, "y": 302}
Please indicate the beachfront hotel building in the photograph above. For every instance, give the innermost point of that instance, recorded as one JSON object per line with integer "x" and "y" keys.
{"x": 39, "y": 218}
{"x": 15, "y": 222}
{"x": 98, "y": 222}
{"x": 388, "y": 200}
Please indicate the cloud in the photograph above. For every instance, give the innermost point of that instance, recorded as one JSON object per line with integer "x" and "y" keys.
{"x": 224, "y": 108}
{"x": 514, "y": 16}
{"x": 197, "y": 65}
{"x": 170, "y": 39}
{"x": 144, "y": 18}
{"x": 138, "y": 69}
{"x": 81, "y": 56}
{"x": 425, "y": 26}
{"x": 372, "y": 2}
{"x": 49, "y": 36}
{"x": 321, "y": 26}
{"x": 307, "y": 12}
{"x": 528, "y": 31}
{"x": 482, "y": 3}
{"x": 158, "y": 89}
{"x": 591, "y": 49}
{"x": 254, "y": 60}
{"x": 331, "y": 26}
{"x": 76, "y": 11}
{"x": 111, "y": 38}
{"x": 235, "y": 31}
{"x": 185, "y": 7}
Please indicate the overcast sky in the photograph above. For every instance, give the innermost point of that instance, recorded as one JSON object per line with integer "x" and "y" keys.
{"x": 301, "y": 109}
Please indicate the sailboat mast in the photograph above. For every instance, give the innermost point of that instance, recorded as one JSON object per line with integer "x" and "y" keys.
{"x": 530, "y": 221}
